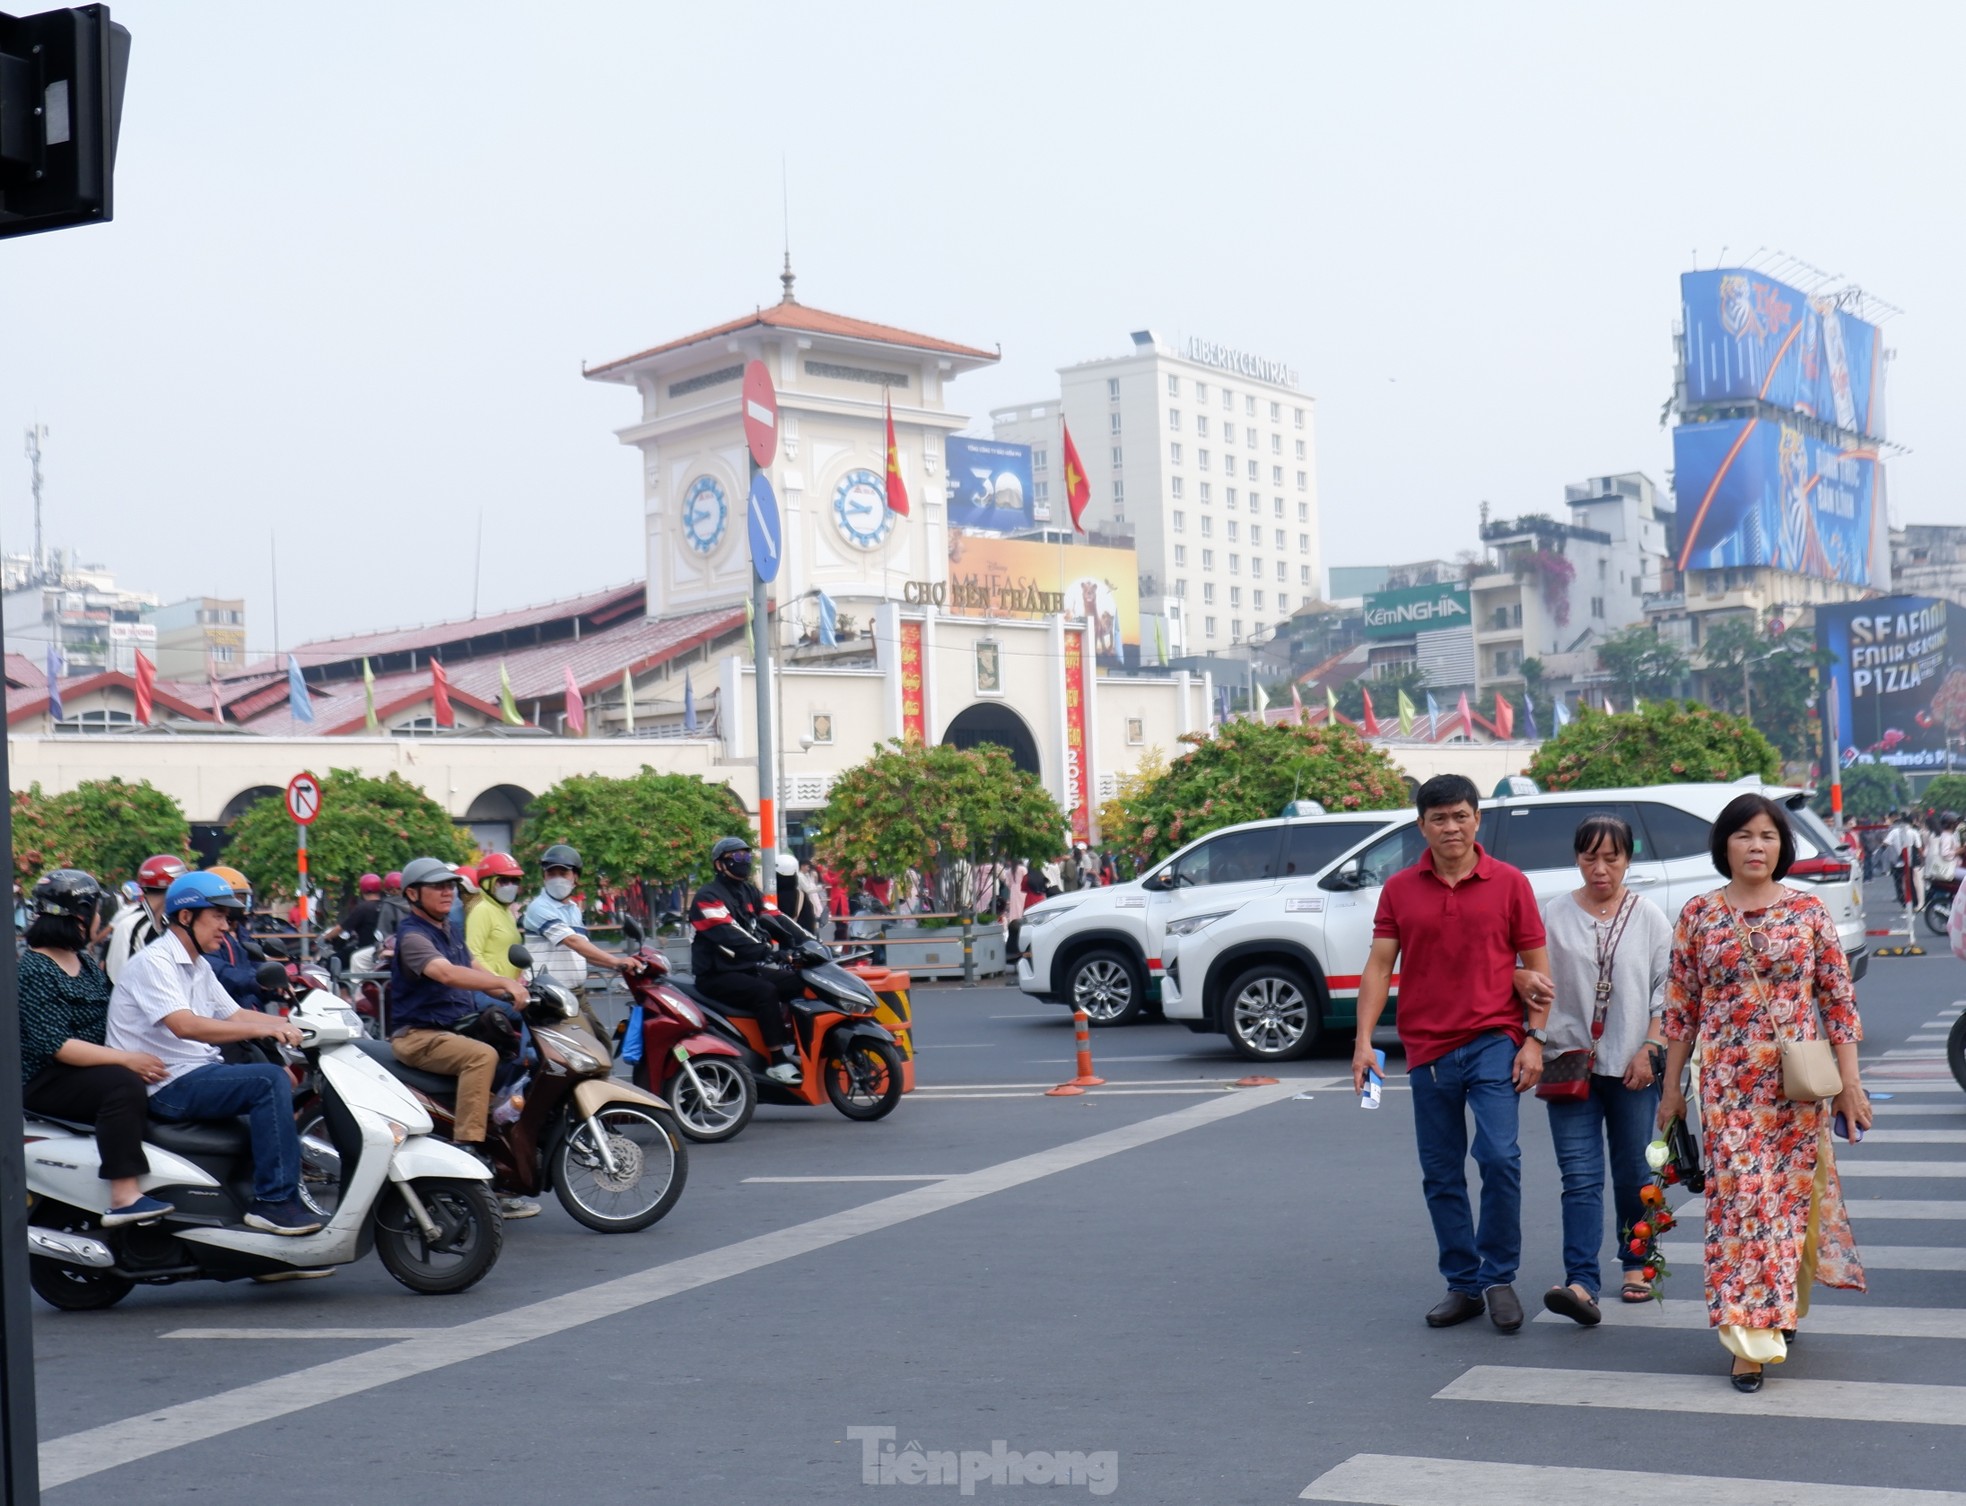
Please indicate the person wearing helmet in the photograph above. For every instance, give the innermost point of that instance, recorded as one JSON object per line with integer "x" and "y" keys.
{"x": 168, "y": 1003}
{"x": 433, "y": 987}
{"x": 357, "y": 927}
{"x": 734, "y": 927}
{"x": 235, "y": 958}
{"x": 389, "y": 914}
{"x": 490, "y": 931}
{"x": 67, "y": 1069}
{"x": 554, "y": 930}
{"x": 137, "y": 925}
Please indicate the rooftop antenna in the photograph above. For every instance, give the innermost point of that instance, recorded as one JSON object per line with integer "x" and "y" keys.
{"x": 35, "y": 435}
{"x": 785, "y": 194}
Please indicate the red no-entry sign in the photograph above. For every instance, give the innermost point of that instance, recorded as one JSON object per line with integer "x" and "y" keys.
{"x": 760, "y": 414}
{"x": 304, "y": 798}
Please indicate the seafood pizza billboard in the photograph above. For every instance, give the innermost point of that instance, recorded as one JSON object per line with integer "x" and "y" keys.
{"x": 1897, "y": 680}
{"x": 1750, "y": 338}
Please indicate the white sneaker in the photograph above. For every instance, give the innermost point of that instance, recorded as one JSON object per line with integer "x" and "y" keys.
{"x": 518, "y": 1207}
{"x": 785, "y": 1073}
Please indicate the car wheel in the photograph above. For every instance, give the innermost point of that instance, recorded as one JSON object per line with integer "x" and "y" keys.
{"x": 1270, "y": 1013}
{"x": 1107, "y": 984}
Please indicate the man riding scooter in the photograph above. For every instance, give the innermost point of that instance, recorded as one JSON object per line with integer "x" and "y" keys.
{"x": 735, "y": 926}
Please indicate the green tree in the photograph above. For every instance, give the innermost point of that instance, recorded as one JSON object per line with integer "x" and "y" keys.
{"x": 1385, "y": 693}
{"x": 1669, "y": 742}
{"x": 1641, "y": 663}
{"x": 940, "y": 810}
{"x": 365, "y": 826}
{"x": 1770, "y": 680}
{"x": 1871, "y": 791}
{"x": 1946, "y": 793}
{"x": 103, "y": 826}
{"x": 657, "y": 828}
{"x": 1248, "y": 771}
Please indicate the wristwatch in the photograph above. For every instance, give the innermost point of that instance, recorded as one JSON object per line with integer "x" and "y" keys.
{"x": 1540, "y": 1037}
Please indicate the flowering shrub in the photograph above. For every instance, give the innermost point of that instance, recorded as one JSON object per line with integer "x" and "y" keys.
{"x": 1669, "y": 742}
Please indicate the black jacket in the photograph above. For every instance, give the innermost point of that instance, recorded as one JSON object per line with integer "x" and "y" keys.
{"x": 734, "y": 927}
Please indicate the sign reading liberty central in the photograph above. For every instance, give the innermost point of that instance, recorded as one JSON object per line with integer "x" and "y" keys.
{"x": 1417, "y": 609}
{"x": 1227, "y": 358}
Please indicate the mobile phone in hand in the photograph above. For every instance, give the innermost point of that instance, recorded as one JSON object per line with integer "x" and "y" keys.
{"x": 1843, "y": 1127}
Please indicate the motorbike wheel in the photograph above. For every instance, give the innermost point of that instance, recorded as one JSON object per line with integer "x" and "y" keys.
{"x": 1938, "y": 913}
{"x": 72, "y": 1288}
{"x": 651, "y": 1165}
{"x": 1955, "y": 1052}
{"x": 471, "y": 1233}
{"x": 725, "y": 1105}
{"x": 864, "y": 1080}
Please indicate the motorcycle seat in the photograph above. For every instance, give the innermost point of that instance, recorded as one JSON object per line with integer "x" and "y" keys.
{"x": 434, "y": 1084}
{"x": 201, "y": 1137}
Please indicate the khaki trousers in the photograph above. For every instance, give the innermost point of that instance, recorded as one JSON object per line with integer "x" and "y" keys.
{"x": 472, "y": 1063}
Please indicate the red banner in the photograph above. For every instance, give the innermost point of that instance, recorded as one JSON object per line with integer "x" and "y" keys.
{"x": 1077, "y": 782}
{"x": 914, "y": 708}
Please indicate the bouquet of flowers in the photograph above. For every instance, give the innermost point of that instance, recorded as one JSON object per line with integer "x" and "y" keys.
{"x": 1675, "y": 1161}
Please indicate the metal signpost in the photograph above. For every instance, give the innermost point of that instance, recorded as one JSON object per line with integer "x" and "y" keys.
{"x": 767, "y": 537}
{"x": 303, "y": 804}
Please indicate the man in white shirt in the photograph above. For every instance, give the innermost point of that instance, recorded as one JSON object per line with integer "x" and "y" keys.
{"x": 1902, "y": 841}
{"x": 170, "y": 1004}
{"x": 563, "y": 950}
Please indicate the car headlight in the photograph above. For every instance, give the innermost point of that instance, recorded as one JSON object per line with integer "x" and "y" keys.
{"x": 1187, "y": 925}
{"x": 1044, "y": 915}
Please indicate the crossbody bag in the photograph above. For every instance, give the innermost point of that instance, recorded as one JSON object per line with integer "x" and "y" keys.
{"x": 1567, "y": 1076}
{"x": 1809, "y": 1070}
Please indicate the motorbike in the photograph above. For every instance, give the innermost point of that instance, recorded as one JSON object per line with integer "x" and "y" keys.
{"x": 611, "y": 1152}
{"x": 424, "y": 1206}
{"x": 701, "y": 1073}
{"x": 845, "y": 1057}
{"x": 1939, "y": 896}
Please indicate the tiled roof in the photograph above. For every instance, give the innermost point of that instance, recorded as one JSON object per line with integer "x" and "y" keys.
{"x": 189, "y": 701}
{"x": 797, "y": 316}
{"x": 23, "y": 671}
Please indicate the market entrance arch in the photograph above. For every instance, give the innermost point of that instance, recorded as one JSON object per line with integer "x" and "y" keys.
{"x": 989, "y": 722}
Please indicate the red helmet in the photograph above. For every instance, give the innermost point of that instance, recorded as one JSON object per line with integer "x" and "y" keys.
{"x": 158, "y": 872}
{"x": 392, "y": 880}
{"x": 369, "y": 883}
{"x": 499, "y": 865}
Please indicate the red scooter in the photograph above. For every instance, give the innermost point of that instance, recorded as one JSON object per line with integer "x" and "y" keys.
{"x": 702, "y": 1075}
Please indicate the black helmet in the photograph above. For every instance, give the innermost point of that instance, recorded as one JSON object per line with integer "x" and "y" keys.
{"x": 731, "y": 855}
{"x": 559, "y": 855}
{"x": 66, "y": 891}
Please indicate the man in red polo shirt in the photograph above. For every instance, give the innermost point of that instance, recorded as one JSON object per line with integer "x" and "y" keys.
{"x": 1455, "y": 925}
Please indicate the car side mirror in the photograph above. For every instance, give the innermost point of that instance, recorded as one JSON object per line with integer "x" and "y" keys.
{"x": 1157, "y": 884}
{"x": 518, "y": 956}
{"x": 1351, "y": 876}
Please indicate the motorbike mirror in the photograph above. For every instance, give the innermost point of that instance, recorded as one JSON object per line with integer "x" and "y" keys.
{"x": 632, "y": 930}
{"x": 270, "y": 976}
{"x": 518, "y": 956}
{"x": 273, "y": 949}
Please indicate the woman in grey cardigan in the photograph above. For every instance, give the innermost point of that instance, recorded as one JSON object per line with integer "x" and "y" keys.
{"x": 1609, "y": 953}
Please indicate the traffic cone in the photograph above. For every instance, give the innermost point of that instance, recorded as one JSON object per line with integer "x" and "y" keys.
{"x": 1085, "y": 1079}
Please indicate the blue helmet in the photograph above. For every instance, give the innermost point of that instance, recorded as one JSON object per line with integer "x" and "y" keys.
{"x": 199, "y": 891}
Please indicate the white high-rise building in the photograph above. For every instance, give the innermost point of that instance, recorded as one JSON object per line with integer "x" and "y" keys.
{"x": 1205, "y": 458}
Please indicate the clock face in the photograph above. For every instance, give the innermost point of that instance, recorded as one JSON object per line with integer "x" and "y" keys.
{"x": 860, "y": 510}
{"x": 705, "y": 514}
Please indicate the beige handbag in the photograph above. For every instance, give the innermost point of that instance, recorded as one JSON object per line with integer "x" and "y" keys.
{"x": 1809, "y": 1070}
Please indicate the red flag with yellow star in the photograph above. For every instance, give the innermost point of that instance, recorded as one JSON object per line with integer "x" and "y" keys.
{"x": 897, "y": 492}
{"x": 1078, "y": 491}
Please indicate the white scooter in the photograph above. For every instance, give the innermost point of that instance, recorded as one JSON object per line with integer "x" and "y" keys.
{"x": 424, "y": 1205}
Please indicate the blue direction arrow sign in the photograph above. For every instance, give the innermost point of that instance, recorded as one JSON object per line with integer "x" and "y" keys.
{"x": 767, "y": 534}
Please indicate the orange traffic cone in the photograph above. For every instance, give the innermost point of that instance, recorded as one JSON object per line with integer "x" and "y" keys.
{"x": 1085, "y": 1079}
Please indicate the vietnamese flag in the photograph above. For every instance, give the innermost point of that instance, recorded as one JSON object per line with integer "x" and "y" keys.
{"x": 897, "y": 492}
{"x": 146, "y": 686}
{"x": 1078, "y": 491}
{"x": 440, "y": 697}
{"x": 1504, "y": 715}
{"x": 1371, "y": 722}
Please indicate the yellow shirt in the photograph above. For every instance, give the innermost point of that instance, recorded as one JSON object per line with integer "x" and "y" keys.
{"x": 491, "y": 932}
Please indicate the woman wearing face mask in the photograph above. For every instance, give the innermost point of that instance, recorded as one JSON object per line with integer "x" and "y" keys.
{"x": 490, "y": 928}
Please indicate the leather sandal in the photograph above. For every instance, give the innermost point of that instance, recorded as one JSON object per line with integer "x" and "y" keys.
{"x": 1635, "y": 1291}
{"x": 1564, "y": 1301}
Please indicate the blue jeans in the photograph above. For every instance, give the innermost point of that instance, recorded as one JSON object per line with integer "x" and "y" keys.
{"x": 1475, "y": 1077}
{"x": 265, "y": 1095}
{"x": 1628, "y": 1118}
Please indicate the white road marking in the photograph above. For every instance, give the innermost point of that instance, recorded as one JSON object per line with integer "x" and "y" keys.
{"x": 1388, "y": 1480}
{"x": 1875, "y": 1257}
{"x": 1910, "y": 1040}
{"x": 1830, "y": 1320}
{"x": 1884, "y": 1207}
{"x": 1920, "y": 1108}
{"x": 1849, "y": 1164}
{"x": 1839, "y": 1401}
{"x": 285, "y": 1334}
{"x": 93, "y": 1450}
{"x": 1912, "y": 1054}
{"x": 1895, "y": 1136}
{"x": 1113, "y": 1082}
{"x": 934, "y": 1176}
{"x": 1062, "y": 1016}
{"x": 1935, "y": 1083}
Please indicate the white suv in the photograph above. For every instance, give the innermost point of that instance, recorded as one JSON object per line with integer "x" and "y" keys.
{"x": 1274, "y": 971}
{"x": 1101, "y": 949}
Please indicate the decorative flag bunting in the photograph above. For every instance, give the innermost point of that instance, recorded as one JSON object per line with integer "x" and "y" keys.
{"x": 1222, "y": 704}
{"x": 1529, "y": 716}
{"x": 146, "y": 688}
{"x": 689, "y": 705}
{"x": 1078, "y": 491}
{"x": 299, "y": 702}
{"x": 1160, "y": 643}
{"x": 368, "y": 699}
{"x": 1562, "y": 717}
{"x": 1637, "y": 704}
{"x": 1330, "y": 705}
{"x": 829, "y": 621}
{"x": 897, "y": 491}
{"x": 218, "y": 702}
{"x": 1466, "y": 716}
{"x": 1371, "y": 721}
{"x": 1406, "y": 715}
{"x": 54, "y": 680}
{"x": 750, "y": 641}
{"x": 440, "y": 696}
{"x": 1609, "y": 709}
{"x": 1504, "y": 716}
{"x": 1262, "y": 704}
{"x": 508, "y": 704}
{"x": 1433, "y": 719}
{"x": 1297, "y": 703}
{"x": 627, "y": 701}
{"x": 576, "y": 707}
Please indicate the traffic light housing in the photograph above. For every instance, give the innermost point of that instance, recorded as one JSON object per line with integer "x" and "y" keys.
{"x": 61, "y": 104}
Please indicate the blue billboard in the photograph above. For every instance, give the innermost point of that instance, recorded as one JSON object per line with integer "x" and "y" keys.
{"x": 1897, "y": 683}
{"x": 990, "y": 485}
{"x": 1752, "y": 492}
{"x": 1750, "y": 337}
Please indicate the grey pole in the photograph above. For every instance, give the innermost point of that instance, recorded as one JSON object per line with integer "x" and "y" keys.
{"x": 767, "y": 734}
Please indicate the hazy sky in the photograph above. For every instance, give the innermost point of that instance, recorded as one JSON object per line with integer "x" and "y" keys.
{"x": 360, "y": 251}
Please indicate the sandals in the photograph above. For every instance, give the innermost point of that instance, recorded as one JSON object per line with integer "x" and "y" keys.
{"x": 1635, "y": 1291}
{"x": 1564, "y": 1301}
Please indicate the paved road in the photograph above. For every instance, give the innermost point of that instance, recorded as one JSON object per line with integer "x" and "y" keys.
{"x": 1215, "y": 1293}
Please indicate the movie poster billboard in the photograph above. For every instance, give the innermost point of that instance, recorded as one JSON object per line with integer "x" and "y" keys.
{"x": 1035, "y": 579}
{"x": 1753, "y": 492}
{"x": 1898, "y": 685}
{"x": 1750, "y": 337}
{"x": 990, "y": 485}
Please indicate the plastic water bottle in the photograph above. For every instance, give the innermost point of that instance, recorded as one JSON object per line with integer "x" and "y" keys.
{"x": 508, "y": 1108}
{"x": 1375, "y": 1078}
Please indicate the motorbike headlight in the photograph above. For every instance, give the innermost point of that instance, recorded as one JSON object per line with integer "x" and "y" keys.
{"x": 397, "y": 1132}
{"x": 1187, "y": 925}
{"x": 577, "y": 1060}
{"x": 684, "y": 1008}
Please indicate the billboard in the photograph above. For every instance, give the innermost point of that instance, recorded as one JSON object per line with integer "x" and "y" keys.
{"x": 1417, "y": 609}
{"x": 990, "y": 485}
{"x": 1753, "y": 492}
{"x": 1897, "y": 682}
{"x": 1030, "y": 578}
{"x": 1751, "y": 337}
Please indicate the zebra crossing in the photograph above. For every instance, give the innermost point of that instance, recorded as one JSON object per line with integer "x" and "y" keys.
{"x": 1925, "y": 1236}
